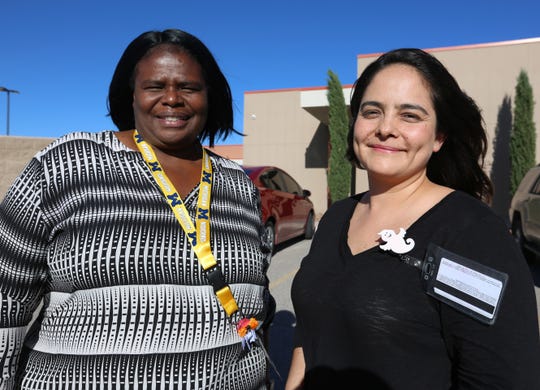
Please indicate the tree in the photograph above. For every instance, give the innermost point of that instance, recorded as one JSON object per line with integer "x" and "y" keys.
{"x": 339, "y": 169}
{"x": 523, "y": 136}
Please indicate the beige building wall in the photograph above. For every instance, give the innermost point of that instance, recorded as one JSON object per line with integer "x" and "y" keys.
{"x": 280, "y": 133}
{"x": 15, "y": 153}
{"x": 282, "y": 126}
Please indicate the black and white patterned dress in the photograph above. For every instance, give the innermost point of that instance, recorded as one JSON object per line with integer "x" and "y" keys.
{"x": 125, "y": 301}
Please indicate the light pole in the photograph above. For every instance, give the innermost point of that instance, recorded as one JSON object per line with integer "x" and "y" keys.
{"x": 8, "y": 91}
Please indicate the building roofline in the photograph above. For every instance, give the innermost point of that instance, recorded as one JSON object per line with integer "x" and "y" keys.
{"x": 301, "y": 89}
{"x": 436, "y": 49}
{"x": 465, "y": 47}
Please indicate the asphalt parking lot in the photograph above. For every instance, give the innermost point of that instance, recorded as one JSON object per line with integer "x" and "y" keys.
{"x": 283, "y": 267}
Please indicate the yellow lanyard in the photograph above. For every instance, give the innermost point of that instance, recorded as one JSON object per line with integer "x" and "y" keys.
{"x": 199, "y": 236}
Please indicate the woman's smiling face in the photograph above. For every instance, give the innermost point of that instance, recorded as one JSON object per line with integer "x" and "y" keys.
{"x": 395, "y": 130}
{"x": 170, "y": 98}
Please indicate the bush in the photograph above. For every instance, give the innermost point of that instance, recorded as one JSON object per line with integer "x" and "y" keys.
{"x": 523, "y": 136}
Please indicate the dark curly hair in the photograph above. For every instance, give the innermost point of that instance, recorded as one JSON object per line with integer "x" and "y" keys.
{"x": 459, "y": 163}
{"x": 120, "y": 99}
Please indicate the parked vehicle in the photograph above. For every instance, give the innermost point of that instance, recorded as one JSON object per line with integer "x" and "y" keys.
{"x": 287, "y": 211}
{"x": 524, "y": 213}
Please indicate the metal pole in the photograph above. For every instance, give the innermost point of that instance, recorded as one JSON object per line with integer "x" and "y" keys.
{"x": 7, "y": 114}
{"x": 8, "y": 92}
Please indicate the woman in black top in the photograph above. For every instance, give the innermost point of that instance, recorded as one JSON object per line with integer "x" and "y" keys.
{"x": 364, "y": 319}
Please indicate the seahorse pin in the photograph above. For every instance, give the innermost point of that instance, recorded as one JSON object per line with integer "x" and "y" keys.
{"x": 395, "y": 242}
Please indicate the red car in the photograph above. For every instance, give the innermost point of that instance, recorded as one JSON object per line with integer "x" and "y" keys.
{"x": 287, "y": 211}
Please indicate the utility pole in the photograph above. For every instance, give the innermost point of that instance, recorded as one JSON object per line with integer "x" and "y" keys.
{"x": 8, "y": 92}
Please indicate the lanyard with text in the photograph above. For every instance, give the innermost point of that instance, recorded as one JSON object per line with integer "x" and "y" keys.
{"x": 199, "y": 236}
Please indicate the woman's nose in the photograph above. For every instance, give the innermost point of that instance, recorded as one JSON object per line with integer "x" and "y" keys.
{"x": 386, "y": 127}
{"x": 172, "y": 96}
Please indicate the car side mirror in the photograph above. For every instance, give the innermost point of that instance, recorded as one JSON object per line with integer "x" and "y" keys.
{"x": 306, "y": 193}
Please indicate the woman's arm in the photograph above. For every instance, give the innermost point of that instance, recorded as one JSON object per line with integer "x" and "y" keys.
{"x": 505, "y": 354}
{"x": 295, "y": 379}
{"x": 23, "y": 269}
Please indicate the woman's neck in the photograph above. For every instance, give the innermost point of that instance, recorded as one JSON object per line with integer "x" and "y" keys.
{"x": 165, "y": 157}
{"x": 183, "y": 168}
{"x": 385, "y": 194}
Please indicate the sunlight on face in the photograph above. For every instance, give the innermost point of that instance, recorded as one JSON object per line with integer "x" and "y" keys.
{"x": 170, "y": 99}
{"x": 395, "y": 130}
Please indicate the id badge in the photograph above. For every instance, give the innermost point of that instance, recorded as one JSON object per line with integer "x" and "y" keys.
{"x": 464, "y": 284}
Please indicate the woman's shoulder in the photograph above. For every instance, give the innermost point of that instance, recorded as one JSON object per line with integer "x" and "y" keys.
{"x": 464, "y": 212}
{"x": 226, "y": 166}
{"x": 223, "y": 162}
{"x": 341, "y": 209}
{"x": 463, "y": 204}
{"x": 229, "y": 170}
{"x": 77, "y": 140}
{"x": 347, "y": 203}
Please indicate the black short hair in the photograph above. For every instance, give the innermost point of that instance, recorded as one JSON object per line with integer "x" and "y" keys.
{"x": 459, "y": 163}
{"x": 120, "y": 99}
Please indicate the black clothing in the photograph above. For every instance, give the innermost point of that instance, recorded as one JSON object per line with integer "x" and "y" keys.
{"x": 365, "y": 319}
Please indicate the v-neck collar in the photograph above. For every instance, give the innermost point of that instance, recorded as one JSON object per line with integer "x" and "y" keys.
{"x": 410, "y": 231}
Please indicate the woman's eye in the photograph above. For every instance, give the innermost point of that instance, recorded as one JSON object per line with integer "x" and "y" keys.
{"x": 410, "y": 117}
{"x": 190, "y": 88}
{"x": 370, "y": 113}
{"x": 153, "y": 87}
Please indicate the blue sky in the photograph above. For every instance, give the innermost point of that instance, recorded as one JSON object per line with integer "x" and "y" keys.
{"x": 60, "y": 54}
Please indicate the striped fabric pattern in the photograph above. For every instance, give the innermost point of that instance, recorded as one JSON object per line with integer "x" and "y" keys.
{"x": 86, "y": 233}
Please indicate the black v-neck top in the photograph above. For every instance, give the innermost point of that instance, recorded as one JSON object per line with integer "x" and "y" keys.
{"x": 365, "y": 318}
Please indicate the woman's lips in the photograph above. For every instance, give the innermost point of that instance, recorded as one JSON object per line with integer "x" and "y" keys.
{"x": 172, "y": 120}
{"x": 385, "y": 148}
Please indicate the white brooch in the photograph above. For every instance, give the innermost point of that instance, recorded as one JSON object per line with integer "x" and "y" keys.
{"x": 396, "y": 242}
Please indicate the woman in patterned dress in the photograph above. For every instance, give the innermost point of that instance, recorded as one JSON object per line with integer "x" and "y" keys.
{"x": 96, "y": 230}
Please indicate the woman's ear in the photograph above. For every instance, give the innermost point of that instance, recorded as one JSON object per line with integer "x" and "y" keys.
{"x": 439, "y": 141}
